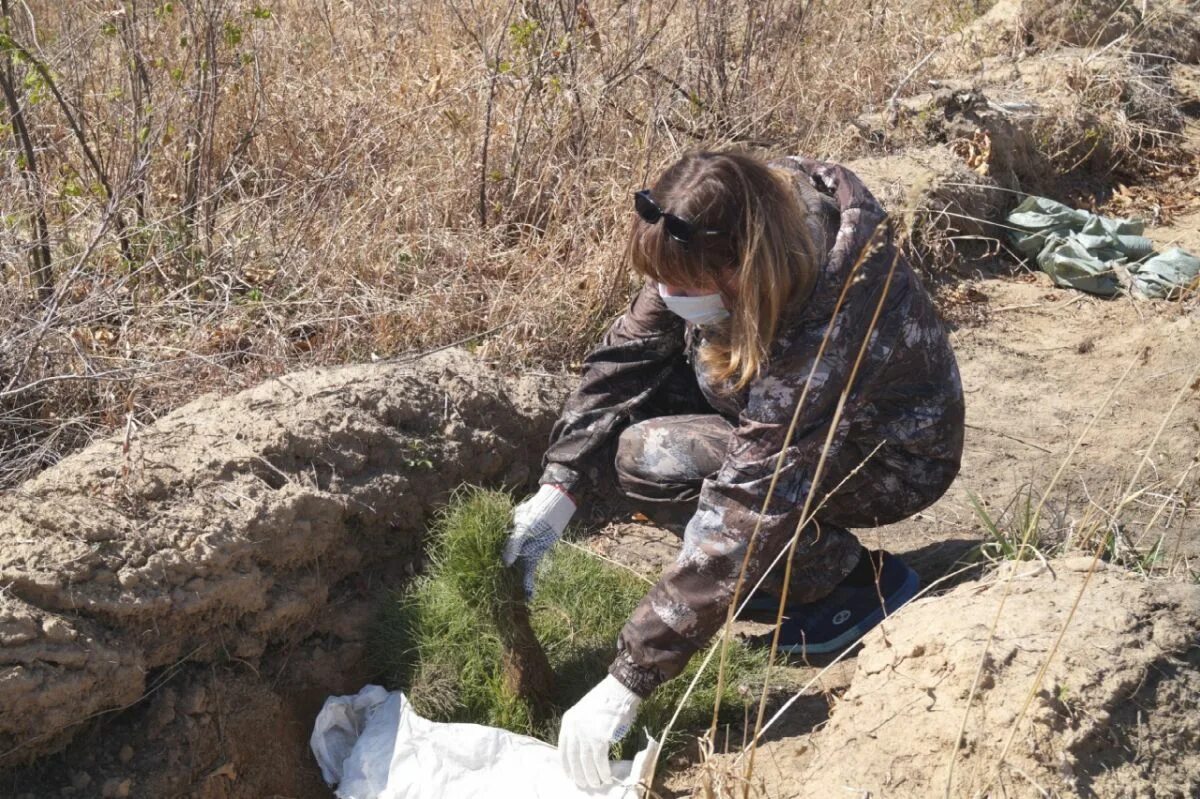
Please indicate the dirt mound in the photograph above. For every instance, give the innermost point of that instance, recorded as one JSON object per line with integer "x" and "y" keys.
{"x": 1086, "y": 109}
{"x": 955, "y": 159}
{"x": 1113, "y": 715}
{"x": 940, "y": 198}
{"x": 984, "y": 137}
{"x": 1033, "y": 124}
{"x": 1167, "y": 29}
{"x": 223, "y": 531}
{"x": 1080, "y": 23}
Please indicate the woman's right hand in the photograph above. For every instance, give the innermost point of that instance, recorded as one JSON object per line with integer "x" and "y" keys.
{"x": 537, "y": 524}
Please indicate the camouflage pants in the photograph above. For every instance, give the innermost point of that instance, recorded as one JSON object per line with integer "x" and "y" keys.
{"x": 661, "y": 463}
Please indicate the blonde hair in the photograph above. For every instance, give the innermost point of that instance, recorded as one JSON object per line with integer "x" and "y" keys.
{"x": 763, "y": 251}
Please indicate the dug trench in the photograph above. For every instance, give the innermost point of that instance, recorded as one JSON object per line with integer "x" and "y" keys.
{"x": 178, "y": 603}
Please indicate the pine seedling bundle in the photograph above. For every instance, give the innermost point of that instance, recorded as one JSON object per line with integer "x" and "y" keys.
{"x": 465, "y": 647}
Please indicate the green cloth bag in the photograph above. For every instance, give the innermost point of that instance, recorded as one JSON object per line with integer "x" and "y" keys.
{"x": 1080, "y": 250}
{"x": 1072, "y": 265}
{"x": 1166, "y": 276}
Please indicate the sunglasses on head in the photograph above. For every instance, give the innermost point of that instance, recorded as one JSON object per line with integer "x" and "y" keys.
{"x": 678, "y": 228}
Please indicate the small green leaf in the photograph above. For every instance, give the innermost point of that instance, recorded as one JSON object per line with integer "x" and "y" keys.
{"x": 524, "y": 34}
{"x": 233, "y": 34}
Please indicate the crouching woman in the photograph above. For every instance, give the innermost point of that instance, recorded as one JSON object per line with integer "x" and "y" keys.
{"x": 781, "y": 353}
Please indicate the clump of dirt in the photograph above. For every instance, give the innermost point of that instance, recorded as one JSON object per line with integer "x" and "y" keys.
{"x": 226, "y": 531}
{"x": 1037, "y": 124}
{"x": 527, "y": 672}
{"x": 1169, "y": 28}
{"x": 1080, "y": 23}
{"x": 940, "y": 199}
{"x": 1112, "y": 715}
{"x": 1162, "y": 29}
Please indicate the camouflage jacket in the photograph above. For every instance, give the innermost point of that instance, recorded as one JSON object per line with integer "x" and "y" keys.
{"x": 907, "y": 394}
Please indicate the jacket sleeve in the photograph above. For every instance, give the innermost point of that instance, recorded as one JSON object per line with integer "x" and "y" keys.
{"x": 633, "y": 359}
{"x": 689, "y": 603}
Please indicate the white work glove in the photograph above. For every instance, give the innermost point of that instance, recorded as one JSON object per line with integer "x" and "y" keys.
{"x": 590, "y": 728}
{"x": 536, "y": 524}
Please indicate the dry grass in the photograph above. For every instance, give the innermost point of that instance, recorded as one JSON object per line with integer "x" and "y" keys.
{"x": 234, "y": 189}
{"x": 204, "y": 193}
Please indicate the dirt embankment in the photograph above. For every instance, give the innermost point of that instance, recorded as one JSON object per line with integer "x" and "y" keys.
{"x": 1113, "y": 713}
{"x": 1051, "y": 98}
{"x": 241, "y": 533}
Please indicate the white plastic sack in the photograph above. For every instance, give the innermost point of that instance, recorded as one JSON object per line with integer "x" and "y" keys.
{"x": 374, "y": 746}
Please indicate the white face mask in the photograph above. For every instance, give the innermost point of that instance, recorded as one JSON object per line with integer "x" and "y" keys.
{"x": 707, "y": 309}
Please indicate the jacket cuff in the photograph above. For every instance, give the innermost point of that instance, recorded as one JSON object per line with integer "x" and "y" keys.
{"x": 641, "y": 681}
{"x": 564, "y": 477}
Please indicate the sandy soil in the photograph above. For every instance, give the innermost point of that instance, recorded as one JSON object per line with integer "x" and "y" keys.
{"x": 1102, "y": 709}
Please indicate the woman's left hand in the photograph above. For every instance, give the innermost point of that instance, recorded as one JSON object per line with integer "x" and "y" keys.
{"x": 590, "y": 728}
